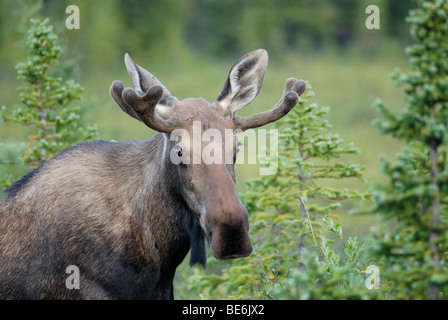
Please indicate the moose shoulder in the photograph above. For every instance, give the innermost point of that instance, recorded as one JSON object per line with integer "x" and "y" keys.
{"x": 125, "y": 214}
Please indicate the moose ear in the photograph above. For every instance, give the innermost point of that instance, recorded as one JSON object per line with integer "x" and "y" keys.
{"x": 142, "y": 80}
{"x": 244, "y": 82}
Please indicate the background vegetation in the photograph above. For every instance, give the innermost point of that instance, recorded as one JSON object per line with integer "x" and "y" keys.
{"x": 190, "y": 46}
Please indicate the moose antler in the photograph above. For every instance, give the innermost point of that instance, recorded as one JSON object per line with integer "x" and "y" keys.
{"x": 151, "y": 103}
{"x": 293, "y": 89}
{"x": 141, "y": 102}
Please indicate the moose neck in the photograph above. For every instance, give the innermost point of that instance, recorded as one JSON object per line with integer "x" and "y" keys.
{"x": 165, "y": 217}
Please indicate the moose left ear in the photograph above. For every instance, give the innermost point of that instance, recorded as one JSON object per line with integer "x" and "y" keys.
{"x": 244, "y": 82}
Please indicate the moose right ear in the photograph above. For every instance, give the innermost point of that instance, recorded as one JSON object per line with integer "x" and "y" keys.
{"x": 244, "y": 82}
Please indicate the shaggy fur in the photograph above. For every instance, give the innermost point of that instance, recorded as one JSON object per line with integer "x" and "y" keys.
{"x": 67, "y": 212}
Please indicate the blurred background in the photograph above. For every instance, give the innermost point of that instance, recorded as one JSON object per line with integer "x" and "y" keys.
{"x": 190, "y": 46}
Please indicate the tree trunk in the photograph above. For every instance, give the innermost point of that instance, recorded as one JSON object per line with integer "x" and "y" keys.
{"x": 433, "y": 288}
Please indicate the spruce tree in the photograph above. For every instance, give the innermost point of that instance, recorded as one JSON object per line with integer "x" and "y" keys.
{"x": 48, "y": 112}
{"x": 412, "y": 245}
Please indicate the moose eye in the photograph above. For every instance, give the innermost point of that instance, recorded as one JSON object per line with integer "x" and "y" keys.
{"x": 178, "y": 156}
{"x": 237, "y": 149}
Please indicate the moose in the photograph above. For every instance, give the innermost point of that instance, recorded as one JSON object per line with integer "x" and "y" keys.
{"x": 124, "y": 213}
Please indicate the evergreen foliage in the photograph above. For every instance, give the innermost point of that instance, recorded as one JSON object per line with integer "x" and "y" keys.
{"x": 412, "y": 245}
{"x": 47, "y": 110}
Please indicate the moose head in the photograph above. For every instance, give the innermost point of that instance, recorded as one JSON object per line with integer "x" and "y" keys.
{"x": 207, "y": 187}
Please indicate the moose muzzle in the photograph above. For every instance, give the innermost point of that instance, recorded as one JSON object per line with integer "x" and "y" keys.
{"x": 229, "y": 242}
{"x": 228, "y": 233}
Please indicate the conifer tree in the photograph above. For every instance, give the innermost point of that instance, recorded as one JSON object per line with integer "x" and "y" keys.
{"x": 52, "y": 120}
{"x": 412, "y": 245}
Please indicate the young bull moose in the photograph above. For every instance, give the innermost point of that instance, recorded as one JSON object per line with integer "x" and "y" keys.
{"x": 126, "y": 214}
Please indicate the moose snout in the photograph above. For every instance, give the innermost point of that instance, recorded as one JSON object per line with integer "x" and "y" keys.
{"x": 230, "y": 239}
{"x": 224, "y": 219}
{"x": 229, "y": 242}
